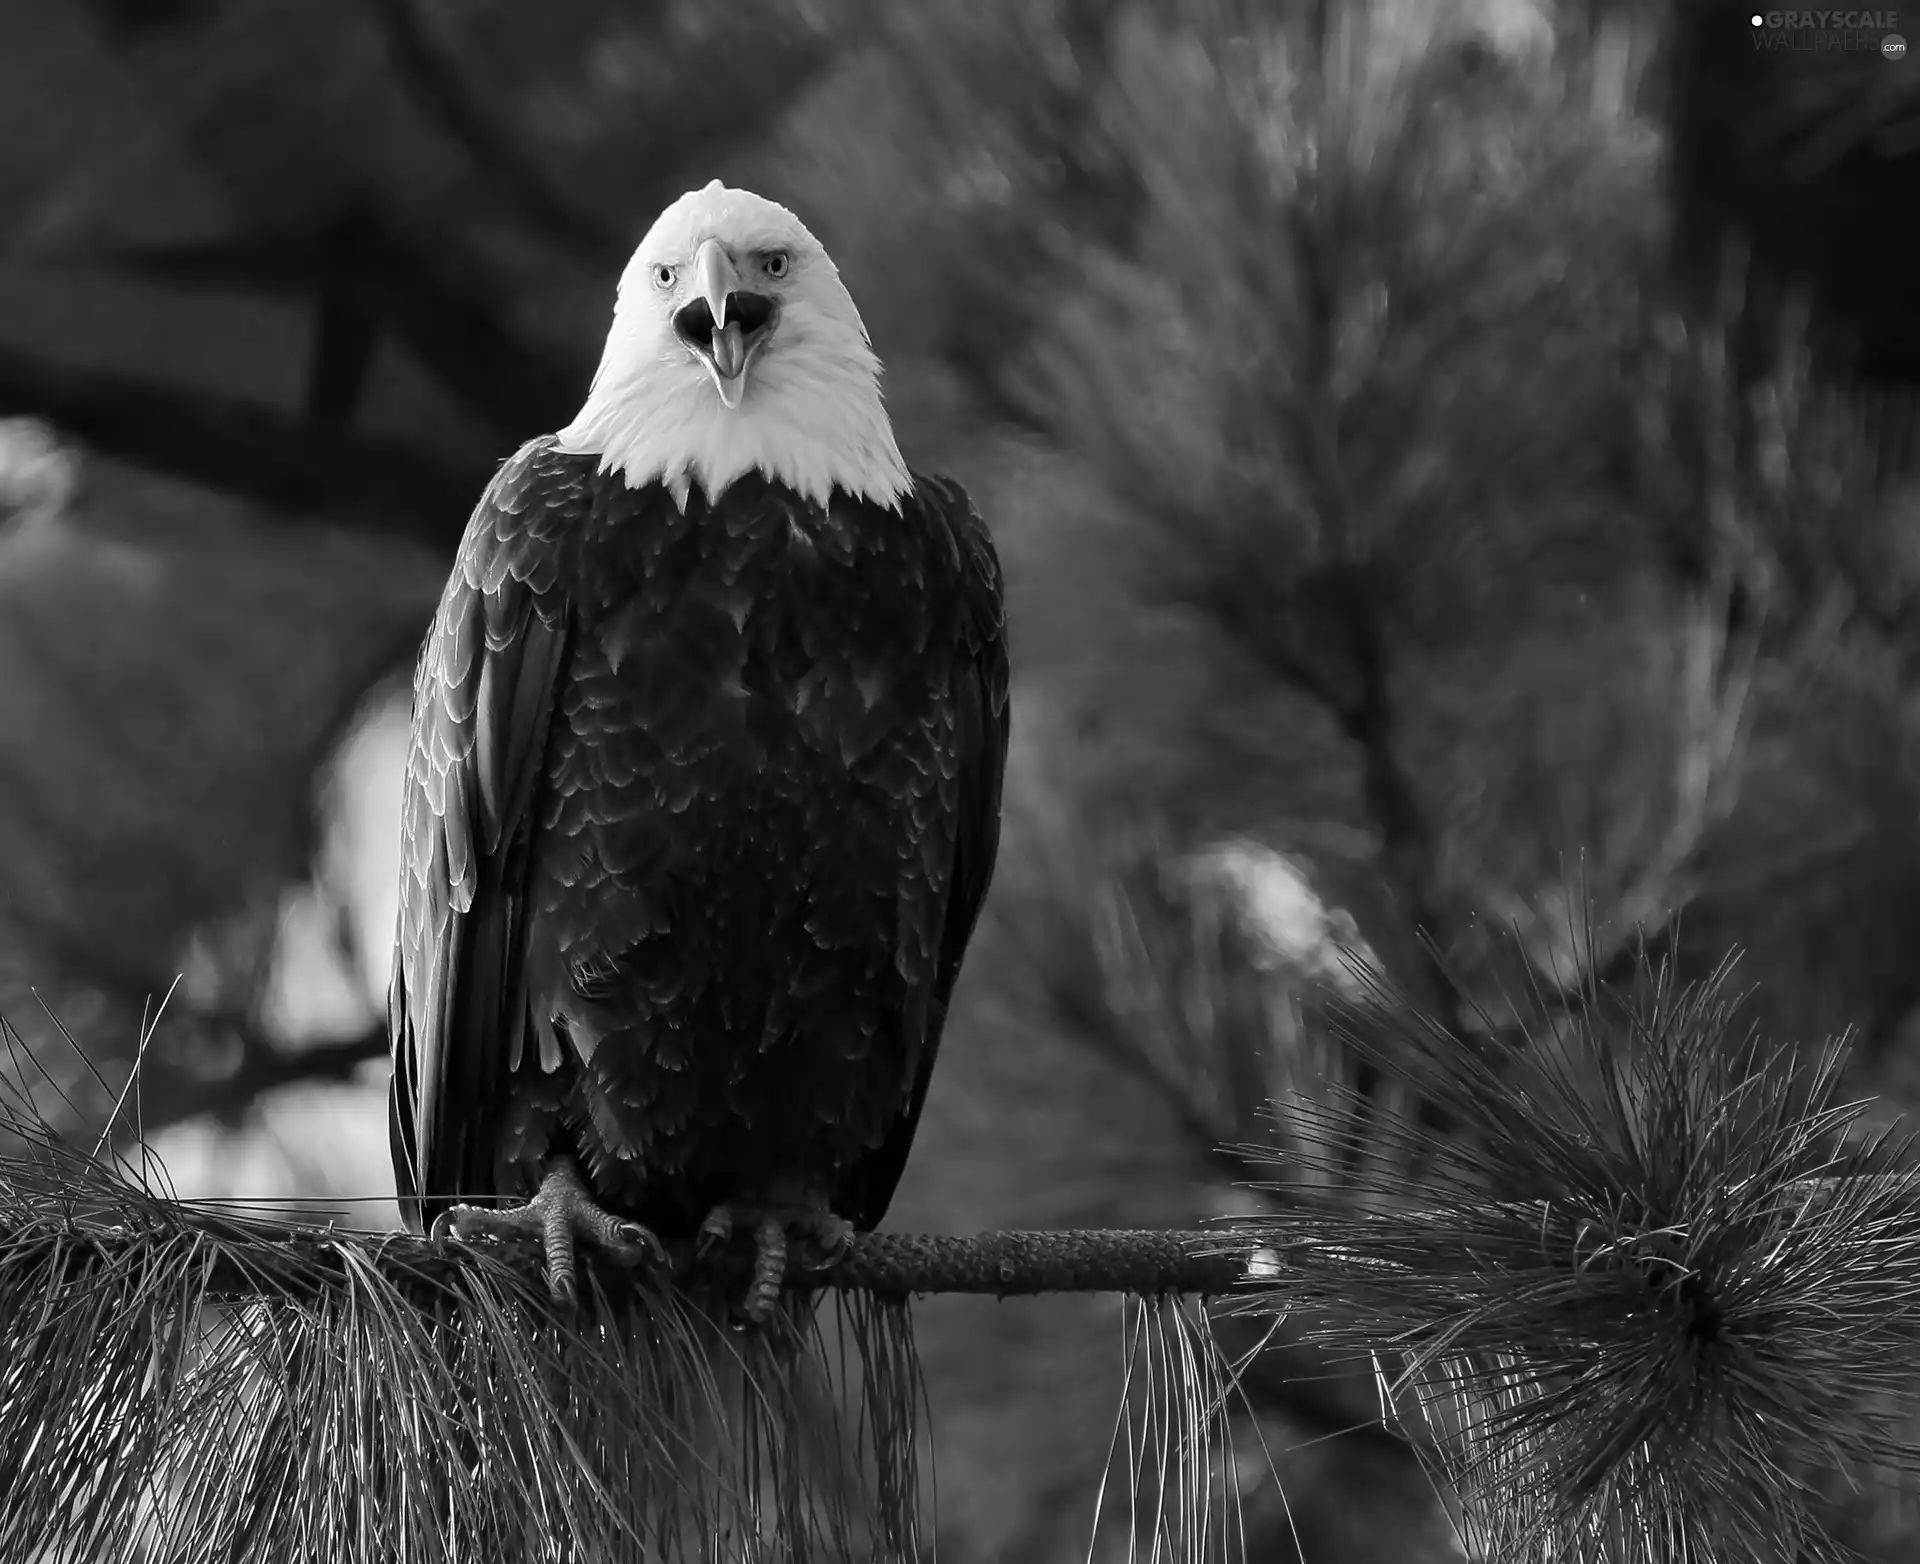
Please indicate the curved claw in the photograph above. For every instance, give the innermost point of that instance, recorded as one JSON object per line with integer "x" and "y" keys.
{"x": 828, "y": 1238}
{"x": 639, "y": 1243}
{"x": 463, "y": 1224}
{"x": 715, "y": 1232}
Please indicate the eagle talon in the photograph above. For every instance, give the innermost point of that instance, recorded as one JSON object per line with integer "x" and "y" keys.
{"x": 465, "y": 1224}
{"x": 785, "y": 1239}
{"x": 769, "y": 1270}
{"x": 557, "y": 1217}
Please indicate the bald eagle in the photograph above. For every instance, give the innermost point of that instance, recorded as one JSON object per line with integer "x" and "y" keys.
{"x": 704, "y": 790}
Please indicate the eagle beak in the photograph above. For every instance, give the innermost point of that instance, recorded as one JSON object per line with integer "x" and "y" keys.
{"x": 723, "y": 325}
{"x": 714, "y": 279}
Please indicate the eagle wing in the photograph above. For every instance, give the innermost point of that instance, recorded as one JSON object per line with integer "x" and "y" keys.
{"x": 483, "y": 696}
{"x": 982, "y": 724}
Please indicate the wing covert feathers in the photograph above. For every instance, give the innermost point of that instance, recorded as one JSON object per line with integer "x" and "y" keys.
{"x": 983, "y": 719}
{"x": 483, "y": 698}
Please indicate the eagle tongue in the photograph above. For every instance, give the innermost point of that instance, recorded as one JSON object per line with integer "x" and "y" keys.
{"x": 729, "y": 351}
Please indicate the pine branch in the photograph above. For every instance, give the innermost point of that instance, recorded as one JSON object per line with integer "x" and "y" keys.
{"x": 245, "y": 449}
{"x": 103, "y": 1264}
{"x": 495, "y": 148}
{"x": 259, "y": 1258}
{"x": 423, "y": 290}
{"x": 1647, "y": 1296}
{"x": 1647, "y": 1290}
{"x": 171, "y": 1093}
{"x": 752, "y": 63}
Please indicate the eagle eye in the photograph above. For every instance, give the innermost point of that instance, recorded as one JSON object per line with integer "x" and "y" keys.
{"x": 662, "y": 275}
{"x": 776, "y": 263}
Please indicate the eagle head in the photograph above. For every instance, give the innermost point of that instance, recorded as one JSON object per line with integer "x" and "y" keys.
{"x": 736, "y": 347}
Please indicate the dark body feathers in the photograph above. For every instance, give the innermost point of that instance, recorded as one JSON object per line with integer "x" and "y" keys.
{"x": 700, "y": 813}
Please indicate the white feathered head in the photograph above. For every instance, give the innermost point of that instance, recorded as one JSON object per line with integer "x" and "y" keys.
{"x": 735, "y": 346}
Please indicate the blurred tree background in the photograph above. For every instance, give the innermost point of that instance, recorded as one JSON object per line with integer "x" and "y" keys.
{"x": 1453, "y": 459}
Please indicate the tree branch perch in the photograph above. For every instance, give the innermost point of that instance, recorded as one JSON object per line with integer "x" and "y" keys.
{"x": 257, "y": 1258}
{"x": 294, "y": 1260}
{"x": 1709, "y": 1243}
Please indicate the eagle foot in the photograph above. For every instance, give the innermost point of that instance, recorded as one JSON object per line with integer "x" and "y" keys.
{"x": 822, "y": 1238}
{"x": 558, "y": 1216}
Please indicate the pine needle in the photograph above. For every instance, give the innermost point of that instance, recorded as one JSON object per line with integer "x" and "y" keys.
{"x": 215, "y": 1392}
{"x": 1647, "y": 1297}
{"x": 1173, "y": 1439}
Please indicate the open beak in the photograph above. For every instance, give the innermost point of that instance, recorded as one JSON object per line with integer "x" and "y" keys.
{"x": 723, "y": 325}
